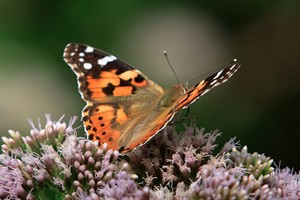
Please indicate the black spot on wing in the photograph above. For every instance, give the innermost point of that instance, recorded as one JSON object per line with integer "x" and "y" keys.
{"x": 109, "y": 89}
{"x": 139, "y": 79}
{"x": 85, "y": 118}
{"x": 91, "y": 136}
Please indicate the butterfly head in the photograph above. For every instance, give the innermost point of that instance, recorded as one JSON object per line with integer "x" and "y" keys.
{"x": 171, "y": 96}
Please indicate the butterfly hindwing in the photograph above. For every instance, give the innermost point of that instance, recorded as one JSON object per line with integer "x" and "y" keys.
{"x": 101, "y": 122}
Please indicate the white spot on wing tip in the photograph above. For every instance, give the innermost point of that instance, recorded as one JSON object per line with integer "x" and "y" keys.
{"x": 232, "y": 67}
{"x": 218, "y": 74}
{"x": 106, "y": 59}
{"x": 101, "y": 62}
{"x": 213, "y": 82}
{"x": 89, "y": 49}
{"x": 81, "y": 54}
{"x": 229, "y": 73}
{"x": 87, "y": 66}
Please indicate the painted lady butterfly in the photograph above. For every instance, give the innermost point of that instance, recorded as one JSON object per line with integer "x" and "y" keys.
{"x": 124, "y": 108}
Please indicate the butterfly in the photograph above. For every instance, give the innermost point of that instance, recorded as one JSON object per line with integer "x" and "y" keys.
{"x": 124, "y": 108}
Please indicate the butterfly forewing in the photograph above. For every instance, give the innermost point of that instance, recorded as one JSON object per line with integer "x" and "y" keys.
{"x": 101, "y": 74}
{"x": 207, "y": 84}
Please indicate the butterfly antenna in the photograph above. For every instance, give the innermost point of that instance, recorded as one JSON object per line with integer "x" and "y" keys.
{"x": 166, "y": 55}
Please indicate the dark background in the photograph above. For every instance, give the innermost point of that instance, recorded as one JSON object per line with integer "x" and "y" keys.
{"x": 259, "y": 105}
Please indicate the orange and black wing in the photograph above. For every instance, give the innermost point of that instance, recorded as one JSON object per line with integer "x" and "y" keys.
{"x": 105, "y": 83}
{"x": 207, "y": 84}
{"x": 100, "y": 74}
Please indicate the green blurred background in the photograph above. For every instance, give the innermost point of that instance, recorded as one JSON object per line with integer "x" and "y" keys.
{"x": 259, "y": 105}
